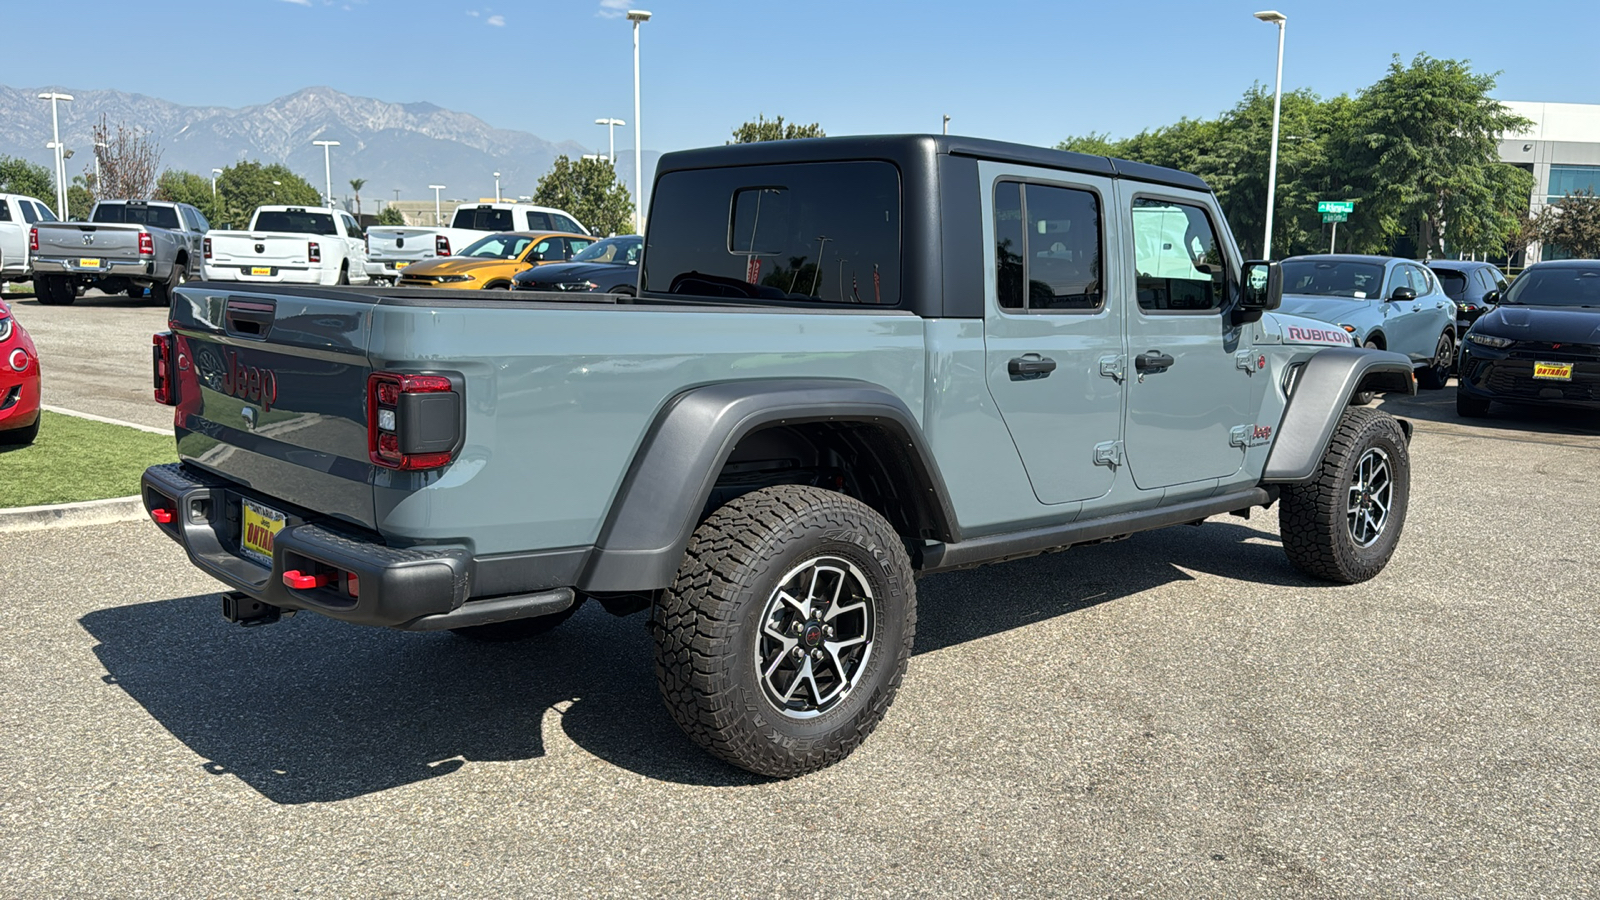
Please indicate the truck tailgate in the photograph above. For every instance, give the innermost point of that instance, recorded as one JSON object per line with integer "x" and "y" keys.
{"x": 259, "y": 254}
{"x": 272, "y": 394}
{"x": 85, "y": 240}
{"x": 404, "y": 245}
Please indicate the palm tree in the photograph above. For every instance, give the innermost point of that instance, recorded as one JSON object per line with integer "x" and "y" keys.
{"x": 356, "y": 184}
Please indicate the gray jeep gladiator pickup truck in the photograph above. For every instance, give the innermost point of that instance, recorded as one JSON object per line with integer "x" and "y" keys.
{"x": 852, "y": 362}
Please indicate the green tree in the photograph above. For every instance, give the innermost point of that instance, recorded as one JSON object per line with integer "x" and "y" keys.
{"x": 80, "y": 197}
{"x": 391, "y": 216}
{"x": 1427, "y": 135}
{"x": 1573, "y": 225}
{"x": 356, "y": 184}
{"x": 588, "y": 189}
{"x": 246, "y": 185}
{"x": 18, "y": 176}
{"x": 190, "y": 188}
{"x": 775, "y": 130}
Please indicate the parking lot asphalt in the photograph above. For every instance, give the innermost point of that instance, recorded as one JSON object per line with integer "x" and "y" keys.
{"x": 1178, "y": 714}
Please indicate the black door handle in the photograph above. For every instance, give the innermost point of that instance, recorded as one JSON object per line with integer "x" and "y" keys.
{"x": 1029, "y": 366}
{"x": 1153, "y": 361}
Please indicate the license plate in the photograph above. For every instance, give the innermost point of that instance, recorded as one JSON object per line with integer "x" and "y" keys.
{"x": 260, "y": 270}
{"x": 88, "y": 263}
{"x": 397, "y": 266}
{"x": 259, "y": 526}
{"x": 1552, "y": 371}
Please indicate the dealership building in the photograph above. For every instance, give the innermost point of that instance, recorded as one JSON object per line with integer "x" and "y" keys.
{"x": 1561, "y": 149}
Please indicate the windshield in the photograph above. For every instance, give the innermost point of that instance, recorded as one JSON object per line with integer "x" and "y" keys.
{"x": 1453, "y": 282}
{"x": 497, "y": 246}
{"x": 294, "y": 221}
{"x": 479, "y": 218}
{"x": 618, "y": 250}
{"x": 136, "y": 214}
{"x": 1557, "y": 286}
{"x": 1332, "y": 278}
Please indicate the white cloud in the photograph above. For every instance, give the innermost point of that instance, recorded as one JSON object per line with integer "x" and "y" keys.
{"x": 299, "y": 2}
{"x": 473, "y": 13}
{"x": 496, "y": 21}
{"x": 614, "y": 9}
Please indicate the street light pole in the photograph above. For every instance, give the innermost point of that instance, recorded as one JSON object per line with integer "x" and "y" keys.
{"x": 497, "y": 187}
{"x": 61, "y": 163}
{"x": 214, "y": 174}
{"x": 636, "y": 16}
{"x": 1272, "y": 15}
{"x": 611, "y": 135}
{"x": 327, "y": 166}
{"x": 438, "y": 216}
{"x": 946, "y": 124}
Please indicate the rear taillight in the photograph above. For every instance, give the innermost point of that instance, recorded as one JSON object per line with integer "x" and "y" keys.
{"x": 413, "y": 421}
{"x": 161, "y": 366}
{"x": 208, "y": 248}
{"x": 366, "y": 243}
{"x": 147, "y": 244}
{"x": 441, "y": 245}
{"x": 313, "y": 251}
{"x": 33, "y": 239}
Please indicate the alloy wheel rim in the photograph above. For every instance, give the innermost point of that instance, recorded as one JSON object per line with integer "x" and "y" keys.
{"x": 1371, "y": 497}
{"x": 816, "y": 638}
{"x": 1445, "y": 353}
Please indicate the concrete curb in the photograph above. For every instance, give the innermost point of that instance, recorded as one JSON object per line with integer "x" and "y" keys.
{"x": 63, "y": 515}
{"x": 94, "y": 418}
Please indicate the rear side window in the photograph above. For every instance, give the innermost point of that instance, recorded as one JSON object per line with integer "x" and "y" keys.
{"x": 29, "y": 213}
{"x": 478, "y": 218}
{"x": 1047, "y": 248}
{"x": 819, "y": 232}
{"x": 295, "y": 222}
{"x": 565, "y": 224}
{"x": 1178, "y": 261}
{"x": 538, "y": 221}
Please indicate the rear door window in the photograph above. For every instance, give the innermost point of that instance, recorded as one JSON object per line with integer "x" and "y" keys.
{"x": 1047, "y": 248}
{"x": 566, "y": 224}
{"x": 29, "y": 213}
{"x": 824, "y": 232}
{"x": 538, "y": 221}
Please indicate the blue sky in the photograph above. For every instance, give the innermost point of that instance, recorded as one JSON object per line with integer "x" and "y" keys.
{"x": 1025, "y": 71}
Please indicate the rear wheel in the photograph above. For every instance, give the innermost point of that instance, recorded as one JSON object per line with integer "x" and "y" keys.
{"x": 54, "y": 290}
{"x": 161, "y": 291}
{"x": 783, "y": 639}
{"x": 1362, "y": 398}
{"x": 1437, "y": 374}
{"x": 1344, "y": 523}
{"x": 1469, "y": 407}
{"x": 344, "y": 275}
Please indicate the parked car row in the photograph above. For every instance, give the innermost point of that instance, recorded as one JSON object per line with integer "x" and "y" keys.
{"x": 1539, "y": 344}
{"x": 393, "y": 247}
{"x": 18, "y": 214}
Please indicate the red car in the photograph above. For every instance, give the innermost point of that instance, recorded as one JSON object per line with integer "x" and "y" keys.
{"x": 19, "y": 382}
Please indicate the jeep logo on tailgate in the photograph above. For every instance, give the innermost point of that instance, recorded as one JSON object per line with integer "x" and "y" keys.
{"x": 249, "y": 382}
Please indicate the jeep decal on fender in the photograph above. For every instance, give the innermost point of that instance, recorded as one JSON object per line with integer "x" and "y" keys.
{"x": 1317, "y": 335}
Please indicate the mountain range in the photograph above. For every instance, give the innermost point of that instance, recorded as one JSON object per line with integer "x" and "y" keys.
{"x": 404, "y": 146}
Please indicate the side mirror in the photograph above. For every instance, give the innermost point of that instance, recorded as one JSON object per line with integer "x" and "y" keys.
{"x": 1491, "y": 298}
{"x": 536, "y": 257}
{"x": 1402, "y": 293}
{"x": 1261, "y": 290}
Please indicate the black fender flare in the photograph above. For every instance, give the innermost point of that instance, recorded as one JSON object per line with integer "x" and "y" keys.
{"x": 658, "y": 505}
{"x": 1321, "y": 393}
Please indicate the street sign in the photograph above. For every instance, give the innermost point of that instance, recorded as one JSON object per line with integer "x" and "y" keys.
{"x": 1335, "y": 217}
{"x": 1336, "y": 206}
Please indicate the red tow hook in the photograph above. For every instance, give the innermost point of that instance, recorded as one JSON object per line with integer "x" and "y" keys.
{"x": 300, "y": 582}
{"x": 164, "y": 516}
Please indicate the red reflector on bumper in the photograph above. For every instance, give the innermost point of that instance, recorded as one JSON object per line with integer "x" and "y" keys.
{"x": 299, "y": 582}
{"x": 164, "y": 516}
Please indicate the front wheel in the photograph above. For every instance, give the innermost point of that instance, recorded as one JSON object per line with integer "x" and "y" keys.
{"x": 1344, "y": 523}
{"x": 783, "y": 639}
{"x": 1362, "y": 398}
{"x": 1437, "y": 373}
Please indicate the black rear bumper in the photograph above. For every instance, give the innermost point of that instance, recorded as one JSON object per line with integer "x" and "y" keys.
{"x": 420, "y": 589}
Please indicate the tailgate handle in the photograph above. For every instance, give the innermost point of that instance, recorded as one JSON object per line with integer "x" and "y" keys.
{"x": 249, "y": 318}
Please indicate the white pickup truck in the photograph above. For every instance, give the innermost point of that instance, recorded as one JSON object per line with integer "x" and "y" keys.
{"x": 290, "y": 245}
{"x": 18, "y": 213}
{"x": 393, "y": 247}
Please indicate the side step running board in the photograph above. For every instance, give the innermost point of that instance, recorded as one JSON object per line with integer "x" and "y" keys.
{"x": 498, "y": 609}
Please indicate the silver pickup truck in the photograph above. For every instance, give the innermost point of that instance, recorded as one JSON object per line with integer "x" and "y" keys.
{"x": 126, "y": 246}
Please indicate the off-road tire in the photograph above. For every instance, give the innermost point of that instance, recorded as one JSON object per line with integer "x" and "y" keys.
{"x": 516, "y": 629}
{"x": 54, "y": 290}
{"x": 708, "y": 627}
{"x": 1437, "y": 373}
{"x": 1363, "y": 398}
{"x": 1469, "y": 407}
{"x": 1313, "y": 517}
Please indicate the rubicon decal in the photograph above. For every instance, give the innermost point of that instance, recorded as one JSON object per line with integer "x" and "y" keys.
{"x": 1318, "y": 335}
{"x": 251, "y": 383}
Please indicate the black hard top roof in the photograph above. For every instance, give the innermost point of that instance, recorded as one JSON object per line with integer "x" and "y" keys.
{"x": 895, "y": 147}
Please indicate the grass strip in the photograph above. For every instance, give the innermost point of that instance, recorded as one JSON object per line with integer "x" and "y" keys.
{"x": 76, "y": 459}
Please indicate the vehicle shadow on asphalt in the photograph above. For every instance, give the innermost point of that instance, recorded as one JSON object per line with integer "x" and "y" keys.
{"x": 1440, "y": 406}
{"x": 312, "y": 710}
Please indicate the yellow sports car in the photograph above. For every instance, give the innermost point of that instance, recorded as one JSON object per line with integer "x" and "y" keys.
{"x": 492, "y": 262}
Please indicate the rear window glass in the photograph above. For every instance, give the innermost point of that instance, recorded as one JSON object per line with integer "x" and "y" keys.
{"x": 294, "y": 222}
{"x": 1453, "y": 282}
{"x": 479, "y": 219}
{"x": 818, "y": 232}
{"x": 154, "y": 216}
